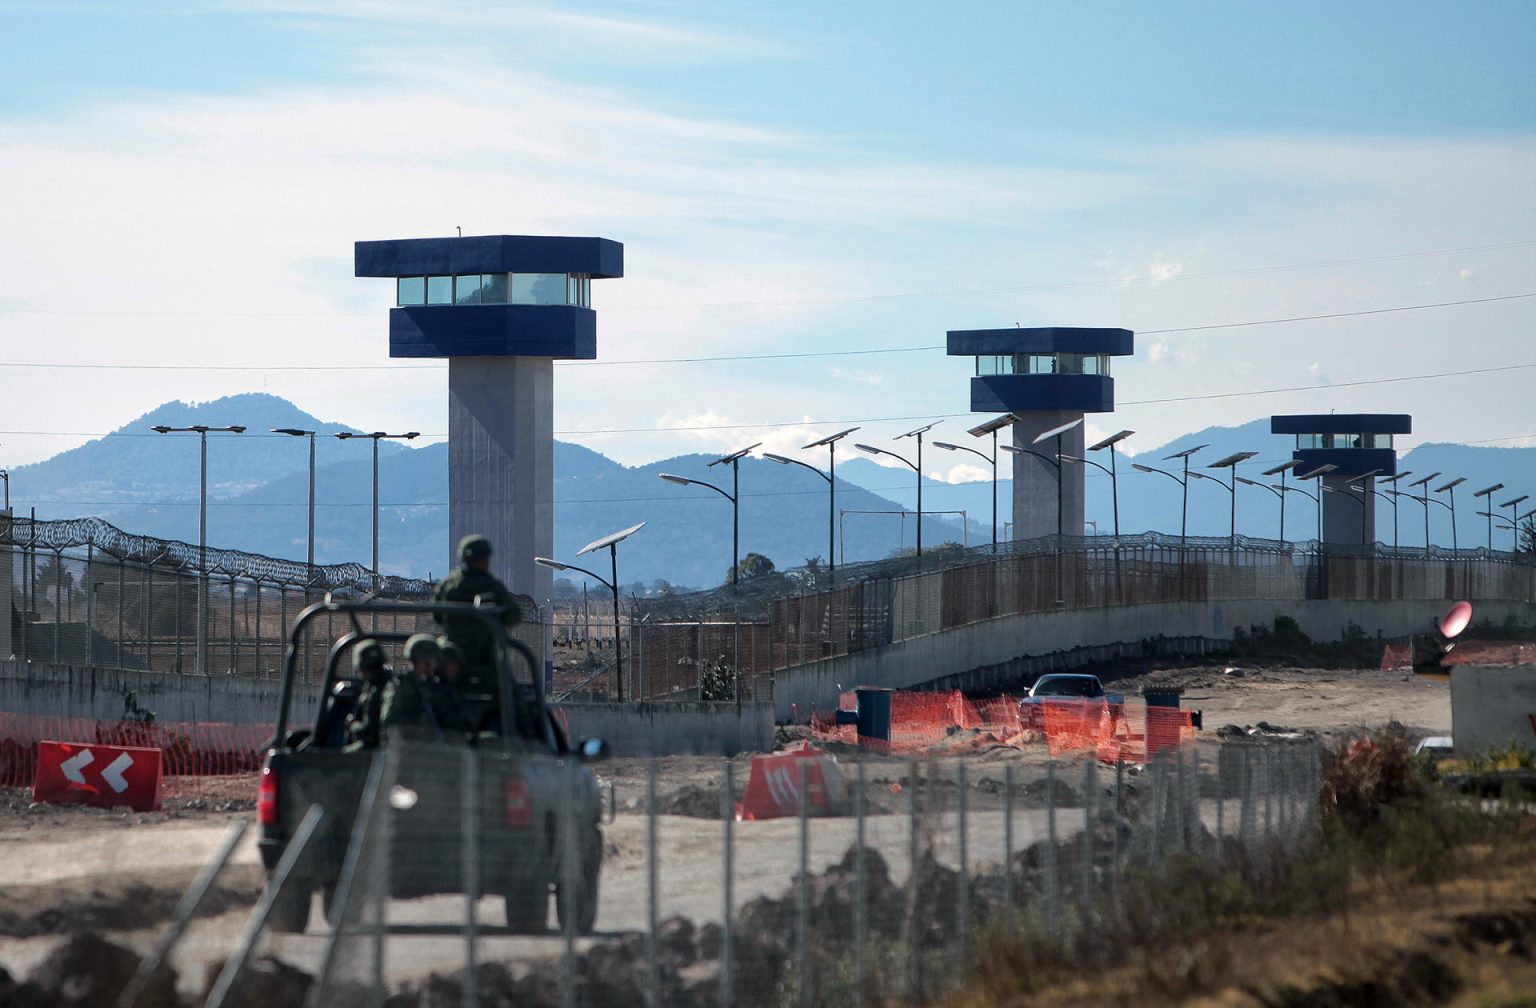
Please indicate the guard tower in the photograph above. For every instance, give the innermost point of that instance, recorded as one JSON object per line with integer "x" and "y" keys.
{"x": 1047, "y": 378}
{"x": 502, "y": 309}
{"x": 1359, "y": 446}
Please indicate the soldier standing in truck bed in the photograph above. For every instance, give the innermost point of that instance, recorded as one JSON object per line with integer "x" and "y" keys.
{"x": 469, "y": 633}
{"x": 368, "y": 665}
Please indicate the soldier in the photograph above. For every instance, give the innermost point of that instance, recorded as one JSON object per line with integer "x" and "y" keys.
{"x": 468, "y": 632}
{"x": 368, "y": 665}
{"x": 406, "y": 702}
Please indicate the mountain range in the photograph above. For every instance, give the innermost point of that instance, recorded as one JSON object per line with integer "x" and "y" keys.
{"x": 147, "y": 483}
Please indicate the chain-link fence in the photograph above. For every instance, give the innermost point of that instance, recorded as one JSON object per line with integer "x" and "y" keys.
{"x": 83, "y": 592}
{"x": 466, "y": 876}
{"x": 794, "y": 619}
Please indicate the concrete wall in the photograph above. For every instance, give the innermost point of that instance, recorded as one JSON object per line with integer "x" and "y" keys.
{"x": 1493, "y": 706}
{"x": 48, "y": 690}
{"x": 921, "y": 660}
{"x": 675, "y": 729}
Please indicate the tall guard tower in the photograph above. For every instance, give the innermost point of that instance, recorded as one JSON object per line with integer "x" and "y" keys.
{"x": 1359, "y": 447}
{"x": 502, "y": 309}
{"x": 1046, "y": 378}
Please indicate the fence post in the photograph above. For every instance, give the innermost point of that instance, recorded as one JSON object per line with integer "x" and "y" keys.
{"x": 727, "y": 814}
{"x": 860, "y": 888}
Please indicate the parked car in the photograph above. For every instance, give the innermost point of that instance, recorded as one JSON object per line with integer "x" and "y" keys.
{"x": 1061, "y": 687}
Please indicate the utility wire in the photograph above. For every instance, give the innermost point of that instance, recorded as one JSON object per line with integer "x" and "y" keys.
{"x": 893, "y": 419}
{"x": 849, "y": 299}
{"x": 735, "y": 357}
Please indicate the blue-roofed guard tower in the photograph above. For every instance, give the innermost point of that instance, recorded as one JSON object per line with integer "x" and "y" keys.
{"x": 1359, "y": 447}
{"x": 1046, "y": 378}
{"x": 502, "y": 309}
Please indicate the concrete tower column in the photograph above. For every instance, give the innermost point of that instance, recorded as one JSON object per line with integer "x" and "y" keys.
{"x": 501, "y": 464}
{"x": 1035, "y": 480}
{"x": 1342, "y": 504}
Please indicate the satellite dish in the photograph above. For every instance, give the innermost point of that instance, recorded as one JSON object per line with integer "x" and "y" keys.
{"x": 1455, "y": 620}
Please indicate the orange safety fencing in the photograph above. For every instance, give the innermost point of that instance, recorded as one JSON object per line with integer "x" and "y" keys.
{"x": 953, "y": 723}
{"x": 208, "y": 761}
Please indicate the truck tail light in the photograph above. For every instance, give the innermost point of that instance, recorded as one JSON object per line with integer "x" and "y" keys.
{"x": 519, "y": 808}
{"x": 266, "y": 798}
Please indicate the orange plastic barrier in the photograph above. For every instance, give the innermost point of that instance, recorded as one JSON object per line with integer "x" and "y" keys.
{"x": 949, "y": 723}
{"x": 773, "y": 789}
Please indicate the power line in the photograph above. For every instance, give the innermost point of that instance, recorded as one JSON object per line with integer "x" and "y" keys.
{"x": 849, "y": 299}
{"x": 733, "y": 357}
{"x": 894, "y": 419}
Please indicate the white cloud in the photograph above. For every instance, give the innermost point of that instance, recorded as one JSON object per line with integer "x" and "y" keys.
{"x": 965, "y": 473}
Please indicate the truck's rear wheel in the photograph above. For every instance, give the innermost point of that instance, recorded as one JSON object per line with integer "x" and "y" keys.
{"x": 583, "y": 902}
{"x": 290, "y": 910}
{"x": 528, "y": 909}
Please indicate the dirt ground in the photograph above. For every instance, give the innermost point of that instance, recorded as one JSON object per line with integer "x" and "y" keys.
{"x": 66, "y": 869}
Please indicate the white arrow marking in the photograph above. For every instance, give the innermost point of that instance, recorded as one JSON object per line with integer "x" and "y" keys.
{"x": 113, "y": 774}
{"x": 75, "y": 764}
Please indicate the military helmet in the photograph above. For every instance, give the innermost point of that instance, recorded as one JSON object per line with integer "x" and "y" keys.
{"x": 448, "y": 651}
{"x": 421, "y": 646}
{"x": 367, "y": 654}
{"x": 474, "y": 547}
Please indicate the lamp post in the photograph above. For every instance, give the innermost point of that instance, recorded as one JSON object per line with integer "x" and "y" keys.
{"x": 1364, "y": 496}
{"x": 734, "y": 461}
{"x": 201, "y": 430}
{"x": 1424, "y": 500}
{"x": 1230, "y": 463}
{"x": 915, "y": 467}
{"x": 1514, "y": 519}
{"x": 5, "y": 474}
{"x": 1114, "y": 483}
{"x": 1317, "y": 473}
{"x": 1451, "y": 486}
{"x": 1394, "y": 493}
{"x": 1512, "y": 523}
{"x": 1181, "y": 481}
{"x": 1488, "y": 492}
{"x": 376, "y": 437}
{"x": 982, "y": 430}
{"x": 1279, "y": 470}
{"x": 309, "y": 555}
{"x": 830, "y": 476}
{"x": 611, "y": 544}
{"x": 1054, "y": 460}
{"x": 1245, "y": 481}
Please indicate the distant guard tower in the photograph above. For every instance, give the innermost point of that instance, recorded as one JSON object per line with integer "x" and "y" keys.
{"x": 1359, "y": 446}
{"x": 1046, "y": 378}
{"x": 502, "y": 309}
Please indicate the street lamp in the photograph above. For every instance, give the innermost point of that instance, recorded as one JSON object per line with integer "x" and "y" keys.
{"x": 1182, "y": 482}
{"x": 830, "y": 476}
{"x": 5, "y": 474}
{"x": 310, "y": 553}
{"x": 916, "y": 468}
{"x": 1280, "y": 470}
{"x": 376, "y": 437}
{"x": 1424, "y": 500}
{"x": 1515, "y": 519}
{"x": 1318, "y": 473}
{"x": 611, "y": 544}
{"x": 1230, "y": 463}
{"x": 1114, "y": 483}
{"x": 1053, "y": 460}
{"x": 1393, "y": 492}
{"x": 201, "y": 430}
{"x": 1487, "y": 492}
{"x": 1451, "y": 486}
{"x": 734, "y": 461}
{"x": 982, "y": 430}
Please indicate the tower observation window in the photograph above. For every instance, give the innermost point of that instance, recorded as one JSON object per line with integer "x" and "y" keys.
{"x": 495, "y": 288}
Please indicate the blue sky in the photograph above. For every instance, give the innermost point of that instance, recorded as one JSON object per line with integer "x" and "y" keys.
{"x": 182, "y": 183}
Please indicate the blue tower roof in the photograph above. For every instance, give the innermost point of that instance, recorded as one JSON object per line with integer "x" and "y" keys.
{"x": 599, "y": 258}
{"x": 1342, "y": 423}
{"x": 1051, "y": 339}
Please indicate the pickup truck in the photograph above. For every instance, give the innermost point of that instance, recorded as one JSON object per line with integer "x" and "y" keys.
{"x": 529, "y": 777}
{"x": 1061, "y": 687}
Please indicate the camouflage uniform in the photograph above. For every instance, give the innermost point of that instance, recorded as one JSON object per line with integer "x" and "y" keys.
{"x": 468, "y": 633}
{"x": 363, "y": 732}
{"x": 406, "y": 701}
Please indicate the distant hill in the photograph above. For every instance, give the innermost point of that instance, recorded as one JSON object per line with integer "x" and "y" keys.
{"x": 147, "y": 483}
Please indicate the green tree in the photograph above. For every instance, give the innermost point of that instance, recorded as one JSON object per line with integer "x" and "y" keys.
{"x": 753, "y": 565}
{"x": 1527, "y": 538}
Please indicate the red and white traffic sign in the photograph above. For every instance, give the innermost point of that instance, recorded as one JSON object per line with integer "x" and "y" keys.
{"x": 105, "y": 775}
